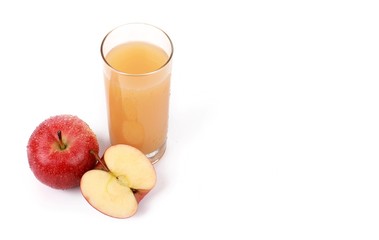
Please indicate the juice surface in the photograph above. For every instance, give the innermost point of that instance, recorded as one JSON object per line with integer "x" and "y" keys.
{"x": 138, "y": 104}
{"x": 136, "y": 58}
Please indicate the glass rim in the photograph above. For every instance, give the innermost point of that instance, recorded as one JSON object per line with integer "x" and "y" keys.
{"x": 137, "y": 74}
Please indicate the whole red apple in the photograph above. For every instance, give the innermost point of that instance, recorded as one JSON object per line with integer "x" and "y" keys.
{"x": 59, "y": 151}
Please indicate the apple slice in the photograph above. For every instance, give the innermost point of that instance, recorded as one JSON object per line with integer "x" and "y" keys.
{"x": 122, "y": 178}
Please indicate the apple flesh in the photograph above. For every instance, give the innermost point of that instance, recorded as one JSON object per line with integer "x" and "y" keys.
{"x": 59, "y": 151}
{"x": 121, "y": 179}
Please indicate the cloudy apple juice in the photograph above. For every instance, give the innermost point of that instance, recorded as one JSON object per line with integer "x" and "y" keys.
{"x": 137, "y": 83}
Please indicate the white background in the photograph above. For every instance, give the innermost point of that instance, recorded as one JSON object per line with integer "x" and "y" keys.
{"x": 274, "y": 118}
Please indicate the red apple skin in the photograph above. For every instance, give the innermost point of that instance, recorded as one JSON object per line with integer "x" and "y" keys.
{"x": 139, "y": 194}
{"x": 56, "y": 167}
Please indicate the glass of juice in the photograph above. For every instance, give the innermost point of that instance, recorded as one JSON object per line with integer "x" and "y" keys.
{"x": 137, "y": 70}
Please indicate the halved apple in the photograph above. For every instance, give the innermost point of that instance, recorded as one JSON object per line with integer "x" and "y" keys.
{"x": 121, "y": 179}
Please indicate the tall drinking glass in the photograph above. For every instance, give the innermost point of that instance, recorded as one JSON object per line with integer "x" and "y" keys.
{"x": 137, "y": 71}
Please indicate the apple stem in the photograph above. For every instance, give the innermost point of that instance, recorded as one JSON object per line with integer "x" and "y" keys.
{"x": 99, "y": 160}
{"x": 62, "y": 146}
